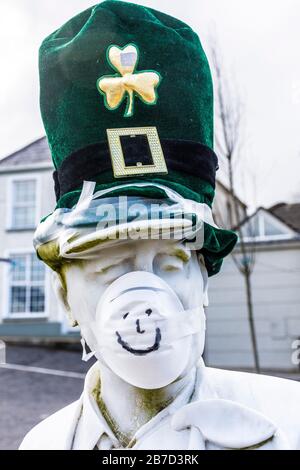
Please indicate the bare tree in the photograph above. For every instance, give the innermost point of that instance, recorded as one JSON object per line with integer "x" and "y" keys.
{"x": 229, "y": 142}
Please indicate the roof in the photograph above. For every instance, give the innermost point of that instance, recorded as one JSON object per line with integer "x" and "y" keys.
{"x": 33, "y": 154}
{"x": 288, "y": 213}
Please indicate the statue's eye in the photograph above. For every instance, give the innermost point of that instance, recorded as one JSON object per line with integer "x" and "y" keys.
{"x": 125, "y": 315}
{"x": 169, "y": 263}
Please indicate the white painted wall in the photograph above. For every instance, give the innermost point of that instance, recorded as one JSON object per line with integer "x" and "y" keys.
{"x": 223, "y": 208}
{"x": 276, "y": 296}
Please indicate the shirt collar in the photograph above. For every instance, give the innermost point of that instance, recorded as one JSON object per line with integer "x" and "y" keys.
{"x": 92, "y": 425}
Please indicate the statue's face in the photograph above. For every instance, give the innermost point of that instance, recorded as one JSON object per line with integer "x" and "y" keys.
{"x": 134, "y": 310}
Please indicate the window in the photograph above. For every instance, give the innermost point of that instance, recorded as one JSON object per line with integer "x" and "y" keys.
{"x": 271, "y": 229}
{"x": 26, "y": 285}
{"x": 23, "y": 207}
{"x": 264, "y": 226}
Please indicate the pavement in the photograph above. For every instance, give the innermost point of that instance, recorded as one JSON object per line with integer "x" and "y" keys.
{"x": 36, "y": 382}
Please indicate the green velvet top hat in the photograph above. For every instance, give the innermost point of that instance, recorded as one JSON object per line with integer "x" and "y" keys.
{"x": 126, "y": 96}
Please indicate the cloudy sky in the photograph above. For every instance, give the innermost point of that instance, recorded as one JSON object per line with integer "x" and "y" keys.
{"x": 260, "y": 42}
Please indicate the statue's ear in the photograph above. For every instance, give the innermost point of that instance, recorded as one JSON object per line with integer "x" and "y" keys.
{"x": 205, "y": 280}
{"x": 60, "y": 291}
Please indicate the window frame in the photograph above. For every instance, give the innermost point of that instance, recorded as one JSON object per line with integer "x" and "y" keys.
{"x": 262, "y": 216}
{"x": 7, "y": 314}
{"x": 10, "y": 201}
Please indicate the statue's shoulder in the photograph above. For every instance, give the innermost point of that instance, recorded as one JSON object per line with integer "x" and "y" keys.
{"x": 276, "y": 398}
{"x": 233, "y": 384}
{"x": 56, "y": 432}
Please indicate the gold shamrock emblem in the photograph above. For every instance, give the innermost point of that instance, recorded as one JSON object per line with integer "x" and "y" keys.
{"x": 128, "y": 82}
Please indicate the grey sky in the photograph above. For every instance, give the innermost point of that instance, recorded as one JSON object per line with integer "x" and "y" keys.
{"x": 260, "y": 43}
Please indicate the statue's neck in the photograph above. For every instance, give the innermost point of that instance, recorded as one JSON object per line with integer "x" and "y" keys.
{"x": 126, "y": 408}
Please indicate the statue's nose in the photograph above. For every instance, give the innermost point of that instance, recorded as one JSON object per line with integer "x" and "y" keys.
{"x": 143, "y": 260}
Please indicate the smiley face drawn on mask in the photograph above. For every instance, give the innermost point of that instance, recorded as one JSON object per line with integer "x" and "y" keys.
{"x": 140, "y": 352}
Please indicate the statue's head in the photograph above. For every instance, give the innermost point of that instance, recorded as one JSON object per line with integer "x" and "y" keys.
{"x": 132, "y": 240}
{"x": 139, "y": 306}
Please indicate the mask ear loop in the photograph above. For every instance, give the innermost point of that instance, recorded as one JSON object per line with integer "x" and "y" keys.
{"x": 85, "y": 355}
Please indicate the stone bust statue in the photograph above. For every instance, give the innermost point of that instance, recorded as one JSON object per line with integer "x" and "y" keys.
{"x": 132, "y": 242}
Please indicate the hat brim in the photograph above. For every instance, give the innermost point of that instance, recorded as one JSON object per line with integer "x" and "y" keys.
{"x": 68, "y": 234}
{"x": 217, "y": 244}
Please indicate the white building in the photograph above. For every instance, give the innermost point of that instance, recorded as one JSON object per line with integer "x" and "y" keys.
{"x": 28, "y": 308}
{"x": 276, "y": 296}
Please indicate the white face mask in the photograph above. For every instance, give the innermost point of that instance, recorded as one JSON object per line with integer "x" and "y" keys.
{"x": 144, "y": 334}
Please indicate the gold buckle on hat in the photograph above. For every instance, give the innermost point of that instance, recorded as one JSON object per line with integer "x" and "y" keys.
{"x": 120, "y": 169}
